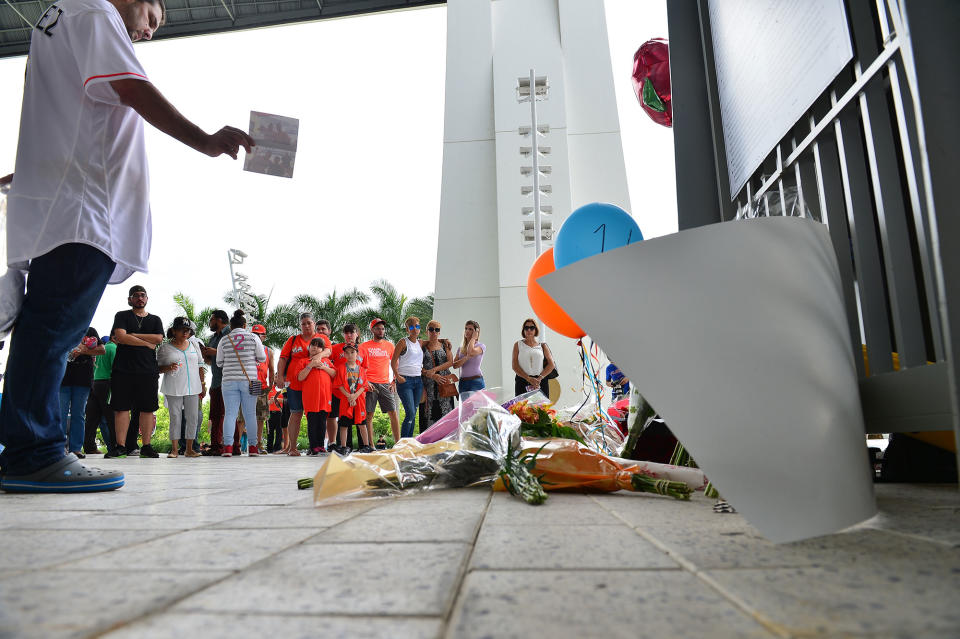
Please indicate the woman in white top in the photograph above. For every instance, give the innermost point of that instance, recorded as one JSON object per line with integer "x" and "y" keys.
{"x": 179, "y": 361}
{"x": 238, "y": 353}
{"x": 407, "y": 365}
{"x": 532, "y": 360}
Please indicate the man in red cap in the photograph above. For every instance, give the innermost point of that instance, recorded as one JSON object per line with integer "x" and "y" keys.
{"x": 265, "y": 375}
{"x": 376, "y": 354}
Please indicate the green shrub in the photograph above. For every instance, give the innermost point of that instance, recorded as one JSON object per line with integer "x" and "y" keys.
{"x": 161, "y": 435}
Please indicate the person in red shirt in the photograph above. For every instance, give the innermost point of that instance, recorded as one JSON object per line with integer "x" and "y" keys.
{"x": 265, "y": 375}
{"x": 293, "y": 357}
{"x": 350, "y": 336}
{"x": 316, "y": 379}
{"x": 275, "y": 430}
{"x": 376, "y": 354}
{"x": 351, "y": 381}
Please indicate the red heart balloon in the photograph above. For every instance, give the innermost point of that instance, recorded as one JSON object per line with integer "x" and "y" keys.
{"x": 651, "y": 80}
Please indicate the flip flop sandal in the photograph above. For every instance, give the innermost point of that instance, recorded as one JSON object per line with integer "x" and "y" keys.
{"x": 65, "y": 476}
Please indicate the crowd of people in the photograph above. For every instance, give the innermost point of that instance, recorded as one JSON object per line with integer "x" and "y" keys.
{"x": 112, "y": 383}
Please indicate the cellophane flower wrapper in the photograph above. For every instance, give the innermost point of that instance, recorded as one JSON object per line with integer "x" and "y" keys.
{"x": 596, "y": 432}
{"x": 471, "y": 456}
{"x": 449, "y": 425}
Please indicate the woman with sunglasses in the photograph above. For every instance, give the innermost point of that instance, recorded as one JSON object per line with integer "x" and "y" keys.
{"x": 407, "y": 365}
{"x": 437, "y": 358}
{"x": 532, "y": 361}
{"x": 468, "y": 359}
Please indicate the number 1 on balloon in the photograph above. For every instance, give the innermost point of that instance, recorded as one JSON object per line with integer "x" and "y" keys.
{"x": 603, "y": 236}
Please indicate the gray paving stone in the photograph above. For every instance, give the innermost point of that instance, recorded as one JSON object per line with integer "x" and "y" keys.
{"x": 642, "y": 509}
{"x": 49, "y": 604}
{"x": 560, "y": 508}
{"x": 403, "y": 528}
{"x": 218, "y": 626}
{"x": 931, "y": 511}
{"x": 272, "y": 496}
{"x": 201, "y": 509}
{"x": 30, "y": 518}
{"x": 743, "y": 547}
{"x": 202, "y": 550}
{"x": 608, "y": 604}
{"x": 306, "y": 516}
{"x": 559, "y": 546}
{"x": 430, "y": 505}
{"x": 246, "y": 517}
{"x": 355, "y": 579}
{"x": 110, "y": 521}
{"x": 107, "y": 501}
{"x": 869, "y": 583}
{"x": 38, "y": 549}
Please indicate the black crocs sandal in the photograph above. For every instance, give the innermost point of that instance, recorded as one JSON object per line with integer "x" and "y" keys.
{"x": 65, "y": 476}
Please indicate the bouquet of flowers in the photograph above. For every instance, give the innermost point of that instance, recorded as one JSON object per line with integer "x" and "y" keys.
{"x": 540, "y": 420}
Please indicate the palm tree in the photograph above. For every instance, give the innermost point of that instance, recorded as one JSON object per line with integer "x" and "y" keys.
{"x": 189, "y": 309}
{"x": 394, "y": 307}
{"x": 281, "y": 321}
{"x": 336, "y": 308}
{"x": 422, "y": 307}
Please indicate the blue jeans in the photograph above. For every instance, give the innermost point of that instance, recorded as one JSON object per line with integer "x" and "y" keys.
{"x": 237, "y": 397}
{"x": 409, "y": 392}
{"x": 73, "y": 402}
{"x": 468, "y": 387}
{"x": 63, "y": 290}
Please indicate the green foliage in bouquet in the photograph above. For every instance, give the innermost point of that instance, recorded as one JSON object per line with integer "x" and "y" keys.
{"x": 518, "y": 478}
{"x": 537, "y": 420}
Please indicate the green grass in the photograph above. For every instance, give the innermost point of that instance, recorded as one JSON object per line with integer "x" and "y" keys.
{"x": 161, "y": 436}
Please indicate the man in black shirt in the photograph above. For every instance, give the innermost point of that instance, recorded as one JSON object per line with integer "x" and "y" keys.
{"x": 220, "y": 325}
{"x": 135, "y": 381}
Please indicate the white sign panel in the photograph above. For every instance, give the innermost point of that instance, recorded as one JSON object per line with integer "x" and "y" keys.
{"x": 773, "y": 59}
{"x": 737, "y": 335}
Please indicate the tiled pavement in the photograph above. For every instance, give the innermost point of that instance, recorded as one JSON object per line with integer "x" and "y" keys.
{"x": 229, "y": 548}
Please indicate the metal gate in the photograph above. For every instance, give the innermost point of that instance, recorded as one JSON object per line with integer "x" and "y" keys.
{"x": 875, "y": 159}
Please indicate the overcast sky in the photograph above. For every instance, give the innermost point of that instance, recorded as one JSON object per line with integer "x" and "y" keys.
{"x": 369, "y": 93}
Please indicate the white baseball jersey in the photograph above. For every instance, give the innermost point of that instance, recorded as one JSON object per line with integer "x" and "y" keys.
{"x": 81, "y": 172}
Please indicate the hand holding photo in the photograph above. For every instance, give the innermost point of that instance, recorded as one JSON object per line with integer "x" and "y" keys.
{"x": 276, "y": 150}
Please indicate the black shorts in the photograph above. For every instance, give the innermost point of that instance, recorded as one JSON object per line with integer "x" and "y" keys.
{"x": 334, "y": 405}
{"x": 133, "y": 391}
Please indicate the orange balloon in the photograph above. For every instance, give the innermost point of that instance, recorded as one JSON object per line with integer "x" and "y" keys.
{"x": 543, "y": 305}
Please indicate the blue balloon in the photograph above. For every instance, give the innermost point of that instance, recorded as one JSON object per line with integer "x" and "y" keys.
{"x": 591, "y": 229}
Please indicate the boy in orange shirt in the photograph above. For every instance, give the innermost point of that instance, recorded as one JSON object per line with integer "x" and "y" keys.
{"x": 315, "y": 378}
{"x": 351, "y": 382}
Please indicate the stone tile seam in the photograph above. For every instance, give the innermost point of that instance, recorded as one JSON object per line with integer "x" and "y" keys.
{"x": 577, "y": 569}
{"x": 153, "y": 613}
{"x": 464, "y": 572}
{"x": 33, "y": 529}
{"x": 61, "y": 565}
{"x": 914, "y": 536}
{"x": 227, "y": 521}
{"x": 173, "y": 602}
{"x": 308, "y": 615}
{"x": 380, "y": 542}
{"x": 690, "y": 567}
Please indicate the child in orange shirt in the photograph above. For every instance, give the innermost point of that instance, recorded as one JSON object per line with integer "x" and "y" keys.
{"x": 351, "y": 382}
{"x": 316, "y": 379}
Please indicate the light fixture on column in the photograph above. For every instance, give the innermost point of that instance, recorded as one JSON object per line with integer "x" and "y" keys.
{"x": 238, "y": 281}
{"x": 536, "y": 227}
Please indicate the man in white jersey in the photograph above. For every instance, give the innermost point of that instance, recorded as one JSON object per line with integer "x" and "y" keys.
{"x": 78, "y": 213}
